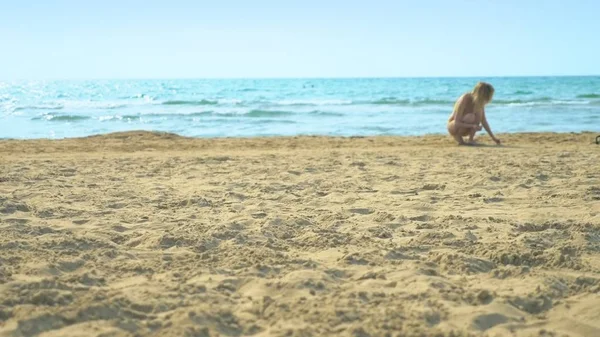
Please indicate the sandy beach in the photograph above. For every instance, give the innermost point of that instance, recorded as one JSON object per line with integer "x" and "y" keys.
{"x": 145, "y": 234}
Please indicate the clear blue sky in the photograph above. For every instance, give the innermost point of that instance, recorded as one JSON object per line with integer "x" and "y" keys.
{"x": 56, "y": 39}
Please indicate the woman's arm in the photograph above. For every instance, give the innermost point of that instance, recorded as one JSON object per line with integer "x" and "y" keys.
{"x": 487, "y": 128}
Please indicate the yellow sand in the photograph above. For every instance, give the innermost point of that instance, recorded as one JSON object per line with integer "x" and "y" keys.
{"x": 141, "y": 234}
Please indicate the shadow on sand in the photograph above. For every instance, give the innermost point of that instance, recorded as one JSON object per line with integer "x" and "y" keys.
{"x": 491, "y": 146}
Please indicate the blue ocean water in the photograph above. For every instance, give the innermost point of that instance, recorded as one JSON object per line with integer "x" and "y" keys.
{"x": 268, "y": 107}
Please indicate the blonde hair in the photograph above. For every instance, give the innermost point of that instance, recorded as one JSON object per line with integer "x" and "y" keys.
{"x": 483, "y": 92}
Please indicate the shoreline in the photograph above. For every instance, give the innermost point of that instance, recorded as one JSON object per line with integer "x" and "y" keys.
{"x": 139, "y": 140}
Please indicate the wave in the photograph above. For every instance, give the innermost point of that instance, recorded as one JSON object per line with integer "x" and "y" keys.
{"x": 521, "y": 101}
{"x": 379, "y": 129}
{"x": 432, "y": 102}
{"x": 547, "y": 103}
{"x": 511, "y": 102}
{"x": 231, "y": 108}
{"x": 522, "y": 92}
{"x": 326, "y": 113}
{"x": 407, "y": 102}
{"x": 588, "y": 96}
{"x": 313, "y": 102}
{"x": 150, "y": 115}
{"x": 508, "y": 102}
{"x": 404, "y": 102}
{"x": 72, "y": 105}
{"x": 273, "y": 121}
{"x": 61, "y": 118}
{"x": 110, "y": 106}
{"x": 39, "y": 107}
{"x": 183, "y": 102}
{"x": 391, "y": 101}
{"x": 138, "y": 96}
{"x": 257, "y": 113}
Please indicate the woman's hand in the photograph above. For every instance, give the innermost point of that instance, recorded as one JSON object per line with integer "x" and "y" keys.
{"x": 477, "y": 127}
{"x": 497, "y": 141}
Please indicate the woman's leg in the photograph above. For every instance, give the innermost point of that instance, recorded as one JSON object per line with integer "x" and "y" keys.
{"x": 470, "y": 119}
{"x": 459, "y": 133}
{"x": 452, "y": 130}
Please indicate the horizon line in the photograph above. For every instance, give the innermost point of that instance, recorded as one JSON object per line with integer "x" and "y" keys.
{"x": 290, "y": 78}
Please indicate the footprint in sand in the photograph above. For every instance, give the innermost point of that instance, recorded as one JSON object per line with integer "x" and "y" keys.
{"x": 492, "y": 200}
{"x": 362, "y": 211}
{"x": 488, "y": 321}
{"x": 433, "y": 187}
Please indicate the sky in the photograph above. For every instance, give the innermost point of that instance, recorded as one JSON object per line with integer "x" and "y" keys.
{"x": 68, "y": 39}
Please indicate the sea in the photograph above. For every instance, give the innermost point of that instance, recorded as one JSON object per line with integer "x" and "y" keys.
{"x": 287, "y": 107}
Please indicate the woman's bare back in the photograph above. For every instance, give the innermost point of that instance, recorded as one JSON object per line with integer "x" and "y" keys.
{"x": 469, "y": 109}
